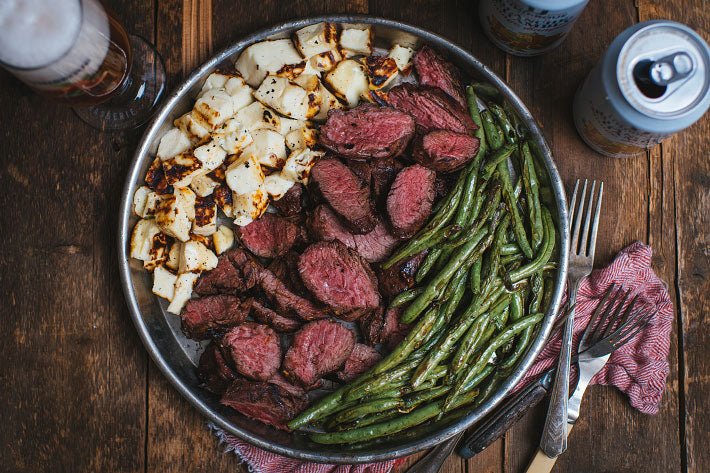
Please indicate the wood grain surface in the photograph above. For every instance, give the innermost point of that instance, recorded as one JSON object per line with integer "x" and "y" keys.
{"x": 79, "y": 391}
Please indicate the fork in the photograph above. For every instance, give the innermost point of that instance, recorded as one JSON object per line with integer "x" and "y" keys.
{"x": 621, "y": 326}
{"x": 581, "y": 261}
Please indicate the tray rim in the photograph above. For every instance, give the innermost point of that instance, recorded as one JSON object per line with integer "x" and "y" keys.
{"x": 124, "y": 231}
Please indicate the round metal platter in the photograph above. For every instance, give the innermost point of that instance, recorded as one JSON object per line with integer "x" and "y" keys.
{"x": 177, "y": 356}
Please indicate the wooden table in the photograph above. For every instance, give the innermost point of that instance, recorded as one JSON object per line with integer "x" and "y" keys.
{"x": 79, "y": 392}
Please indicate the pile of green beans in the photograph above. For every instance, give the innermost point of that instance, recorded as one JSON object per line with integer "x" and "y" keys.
{"x": 479, "y": 295}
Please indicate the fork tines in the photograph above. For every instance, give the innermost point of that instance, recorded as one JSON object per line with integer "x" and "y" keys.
{"x": 579, "y": 213}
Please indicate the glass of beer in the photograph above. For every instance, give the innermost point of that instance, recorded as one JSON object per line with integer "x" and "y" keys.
{"x": 76, "y": 52}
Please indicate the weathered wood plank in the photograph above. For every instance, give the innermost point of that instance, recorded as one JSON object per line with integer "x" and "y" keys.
{"x": 685, "y": 174}
{"x": 73, "y": 368}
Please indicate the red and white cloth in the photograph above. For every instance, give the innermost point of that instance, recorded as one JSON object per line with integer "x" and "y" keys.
{"x": 639, "y": 368}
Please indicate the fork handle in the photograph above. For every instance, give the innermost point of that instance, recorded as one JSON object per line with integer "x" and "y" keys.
{"x": 554, "y": 435}
{"x": 541, "y": 463}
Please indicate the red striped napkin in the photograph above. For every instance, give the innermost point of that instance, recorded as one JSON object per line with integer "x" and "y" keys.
{"x": 640, "y": 367}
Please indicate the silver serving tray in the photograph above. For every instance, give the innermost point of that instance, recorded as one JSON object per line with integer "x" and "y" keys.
{"x": 176, "y": 356}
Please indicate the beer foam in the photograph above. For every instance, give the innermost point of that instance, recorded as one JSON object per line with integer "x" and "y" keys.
{"x": 35, "y": 33}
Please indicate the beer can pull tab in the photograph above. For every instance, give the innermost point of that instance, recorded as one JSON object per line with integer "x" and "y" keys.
{"x": 671, "y": 68}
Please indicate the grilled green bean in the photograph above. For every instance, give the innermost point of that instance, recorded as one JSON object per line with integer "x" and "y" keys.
{"x": 516, "y": 220}
{"x": 416, "y": 417}
{"x": 513, "y": 115}
{"x": 483, "y": 359}
{"x": 494, "y": 135}
{"x": 499, "y": 156}
{"x": 524, "y": 339}
{"x": 509, "y": 249}
{"x": 476, "y": 380}
{"x": 532, "y": 190}
{"x": 475, "y": 276}
{"x": 504, "y": 122}
{"x": 365, "y": 408}
{"x": 427, "y": 264}
{"x": 486, "y": 89}
{"x": 405, "y": 296}
{"x": 548, "y": 244}
{"x": 439, "y": 281}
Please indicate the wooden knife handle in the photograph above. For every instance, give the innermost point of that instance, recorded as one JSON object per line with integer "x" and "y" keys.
{"x": 502, "y": 420}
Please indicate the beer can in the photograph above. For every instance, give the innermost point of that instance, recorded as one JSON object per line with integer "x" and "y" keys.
{"x": 528, "y": 27}
{"x": 652, "y": 82}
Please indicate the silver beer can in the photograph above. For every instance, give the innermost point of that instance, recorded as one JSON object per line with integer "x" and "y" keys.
{"x": 653, "y": 81}
{"x": 528, "y": 27}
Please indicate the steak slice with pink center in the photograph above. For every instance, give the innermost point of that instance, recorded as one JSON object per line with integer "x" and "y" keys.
{"x": 431, "y": 107}
{"x": 367, "y": 131}
{"x": 433, "y": 69}
{"x": 410, "y": 200}
{"x": 270, "y": 403}
{"x": 317, "y": 349}
{"x": 255, "y": 350}
{"x": 270, "y": 235}
{"x": 360, "y": 360}
{"x": 374, "y": 246}
{"x": 346, "y": 193}
{"x": 202, "y": 316}
{"x": 444, "y": 150}
{"x": 338, "y": 277}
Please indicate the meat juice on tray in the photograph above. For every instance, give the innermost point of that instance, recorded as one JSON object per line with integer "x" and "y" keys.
{"x": 322, "y": 182}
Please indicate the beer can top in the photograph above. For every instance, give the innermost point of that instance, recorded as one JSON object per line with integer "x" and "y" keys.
{"x": 663, "y": 72}
{"x": 553, "y": 5}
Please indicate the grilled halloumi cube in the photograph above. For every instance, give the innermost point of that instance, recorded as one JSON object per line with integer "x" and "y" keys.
{"x": 216, "y": 80}
{"x": 223, "y": 239}
{"x": 323, "y": 62}
{"x": 203, "y": 185}
{"x": 175, "y": 214}
{"x": 250, "y": 206}
{"x": 302, "y": 138}
{"x": 195, "y": 256}
{"x": 211, "y": 155}
{"x": 140, "y": 197}
{"x": 172, "y": 143}
{"x": 183, "y": 291}
{"x": 239, "y": 90}
{"x": 403, "y": 57}
{"x": 152, "y": 201}
{"x": 316, "y": 38}
{"x": 288, "y": 98}
{"x": 194, "y": 130}
{"x": 223, "y": 198}
{"x": 173, "y": 259}
{"x": 181, "y": 169}
{"x": 164, "y": 282}
{"x": 142, "y": 239}
{"x": 159, "y": 251}
{"x": 299, "y": 163}
{"x": 232, "y": 136}
{"x": 278, "y": 57}
{"x": 268, "y": 147}
{"x": 380, "y": 70}
{"x": 256, "y": 116}
{"x": 355, "y": 40}
{"x": 245, "y": 175}
{"x": 213, "y": 108}
{"x": 348, "y": 81}
{"x": 205, "y": 222}
{"x": 205, "y": 240}
{"x": 328, "y": 101}
{"x": 276, "y": 186}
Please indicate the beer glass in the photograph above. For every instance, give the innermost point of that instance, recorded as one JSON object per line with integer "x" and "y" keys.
{"x": 76, "y": 52}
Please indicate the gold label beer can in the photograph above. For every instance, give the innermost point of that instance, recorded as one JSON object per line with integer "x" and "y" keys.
{"x": 653, "y": 81}
{"x": 528, "y": 27}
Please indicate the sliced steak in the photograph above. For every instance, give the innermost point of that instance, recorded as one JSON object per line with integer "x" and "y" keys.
{"x": 367, "y": 131}
{"x": 338, "y": 277}
{"x": 410, "y": 200}
{"x": 444, "y": 150}
{"x": 400, "y": 277}
{"x": 433, "y": 69}
{"x": 270, "y": 403}
{"x": 285, "y": 300}
{"x": 443, "y": 185}
{"x": 346, "y": 193}
{"x": 431, "y": 108}
{"x": 201, "y": 317}
{"x": 286, "y": 269}
{"x": 383, "y": 174}
{"x": 291, "y": 204}
{"x": 375, "y": 246}
{"x": 213, "y": 371}
{"x": 361, "y": 169}
{"x": 255, "y": 350}
{"x": 270, "y": 236}
{"x": 394, "y": 331}
{"x": 279, "y": 380}
{"x": 233, "y": 275}
{"x": 317, "y": 349}
{"x": 360, "y": 360}
{"x": 371, "y": 325}
{"x": 270, "y": 317}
